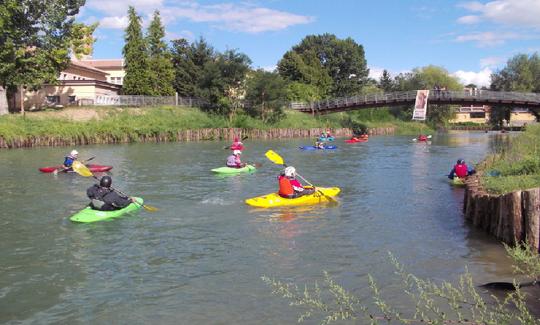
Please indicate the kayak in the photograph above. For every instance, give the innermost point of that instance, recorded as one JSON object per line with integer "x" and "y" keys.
{"x": 355, "y": 141}
{"x": 456, "y": 181}
{"x": 230, "y": 170}
{"x": 315, "y": 148}
{"x": 88, "y": 214}
{"x": 93, "y": 168}
{"x": 326, "y": 138}
{"x": 274, "y": 200}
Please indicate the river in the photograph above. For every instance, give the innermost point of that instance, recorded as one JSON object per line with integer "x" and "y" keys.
{"x": 200, "y": 258}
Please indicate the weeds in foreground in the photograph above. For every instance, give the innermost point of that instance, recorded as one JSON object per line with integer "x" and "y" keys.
{"x": 430, "y": 303}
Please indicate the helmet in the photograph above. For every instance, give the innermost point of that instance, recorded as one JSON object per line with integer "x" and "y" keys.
{"x": 460, "y": 161}
{"x": 106, "y": 181}
{"x": 236, "y": 152}
{"x": 74, "y": 153}
{"x": 290, "y": 171}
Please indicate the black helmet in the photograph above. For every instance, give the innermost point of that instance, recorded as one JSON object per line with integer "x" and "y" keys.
{"x": 106, "y": 181}
{"x": 460, "y": 161}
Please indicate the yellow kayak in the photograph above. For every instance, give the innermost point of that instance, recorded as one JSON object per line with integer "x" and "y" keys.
{"x": 274, "y": 200}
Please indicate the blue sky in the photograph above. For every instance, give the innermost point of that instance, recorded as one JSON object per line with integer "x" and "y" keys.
{"x": 471, "y": 39}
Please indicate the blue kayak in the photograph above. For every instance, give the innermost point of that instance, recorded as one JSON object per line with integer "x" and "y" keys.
{"x": 315, "y": 148}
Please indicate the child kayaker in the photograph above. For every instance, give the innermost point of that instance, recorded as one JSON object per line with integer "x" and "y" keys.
{"x": 290, "y": 187}
{"x": 237, "y": 144}
{"x": 234, "y": 161}
{"x": 104, "y": 198}
{"x": 69, "y": 159}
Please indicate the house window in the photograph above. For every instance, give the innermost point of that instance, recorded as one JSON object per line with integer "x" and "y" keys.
{"x": 478, "y": 115}
{"x": 53, "y": 99}
{"x": 72, "y": 99}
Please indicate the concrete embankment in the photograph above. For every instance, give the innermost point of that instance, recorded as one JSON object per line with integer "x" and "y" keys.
{"x": 512, "y": 218}
{"x": 182, "y": 135}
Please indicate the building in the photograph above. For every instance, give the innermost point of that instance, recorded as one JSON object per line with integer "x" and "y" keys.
{"x": 472, "y": 114}
{"x": 81, "y": 83}
{"x": 521, "y": 117}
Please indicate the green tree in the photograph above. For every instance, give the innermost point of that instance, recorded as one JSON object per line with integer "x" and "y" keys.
{"x": 161, "y": 72}
{"x": 301, "y": 92}
{"x": 336, "y": 67}
{"x": 521, "y": 73}
{"x": 136, "y": 81}
{"x": 265, "y": 96}
{"x": 189, "y": 61}
{"x": 34, "y": 42}
{"x": 386, "y": 83}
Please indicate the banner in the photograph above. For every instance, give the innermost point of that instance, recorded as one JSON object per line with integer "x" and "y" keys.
{"x": 420, "y": 105}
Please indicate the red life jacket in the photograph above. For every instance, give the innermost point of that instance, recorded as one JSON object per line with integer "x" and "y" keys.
{"x": 422, "y": 137}
{"x": 461, "y": 170}
{"x": 237, "y": 146}
{"x": 285, "y": 186}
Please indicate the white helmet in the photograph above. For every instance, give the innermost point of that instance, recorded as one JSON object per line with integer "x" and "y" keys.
{"x": 290, "y": 171}
{"x": 236, "y": 152}
{"x": 74, "y": 153}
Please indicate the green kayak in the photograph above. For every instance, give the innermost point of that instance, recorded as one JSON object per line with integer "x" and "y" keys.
{"x": 90, "y": 215}
{"x": 229, "y": 170}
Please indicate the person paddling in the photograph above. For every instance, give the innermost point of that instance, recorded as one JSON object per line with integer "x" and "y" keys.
{"x": 104, "y": 198}
{"x": 237, "y": 144}
{"x": 234, "y": 161}
{"x": 460, "y": 170}
{"x": 290, "y": 187}
{"x": 319, "y": 144}
{"x": 69, "y": 159}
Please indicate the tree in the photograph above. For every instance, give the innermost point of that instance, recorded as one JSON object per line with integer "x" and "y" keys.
{"x": 34, "y": 43}
{"x": 135, "y": 58}
{"x": 521, "y": 73}
{"x": 386, "y": 83}
{"x": 336, "y": 67}
{"x": 189, "y": 61}
{"x": 264, "y": 95}
{"x": 161, "y": 72}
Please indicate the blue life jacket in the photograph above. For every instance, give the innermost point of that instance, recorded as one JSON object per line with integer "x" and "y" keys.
{"x": 68, "y": 161}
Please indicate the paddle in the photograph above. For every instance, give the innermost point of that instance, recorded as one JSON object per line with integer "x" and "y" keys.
{"x": 278, "y": 160}
{"x": 243, "y": 138}
{"x": 82, "y": 170}
{"x": 55, "y": 172}
{"x": 429, "y": 137}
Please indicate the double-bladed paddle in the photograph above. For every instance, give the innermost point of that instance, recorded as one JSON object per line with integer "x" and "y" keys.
{"x": 278, "y": 160}
{"x": 82, "y": 170}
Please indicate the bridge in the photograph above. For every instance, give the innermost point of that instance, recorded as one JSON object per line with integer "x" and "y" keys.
{"x": 404, "y": 98}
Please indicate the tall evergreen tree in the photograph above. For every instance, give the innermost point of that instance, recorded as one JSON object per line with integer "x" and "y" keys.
{"x": 161, "y": 73}
{"x": 35, "y": 42}
{"x": 189, "y": 61}
{"x": 385, "y": 83}
{"x": 136, "y": 81}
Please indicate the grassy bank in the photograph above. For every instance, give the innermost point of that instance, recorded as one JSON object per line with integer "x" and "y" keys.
{"x": 133, "y": 122}
{"x": 515, "y": 167}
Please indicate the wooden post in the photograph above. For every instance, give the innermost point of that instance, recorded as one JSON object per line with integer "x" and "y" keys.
{"x": 531, "y": 214}
{"x": 22, "y": 99}
{"x": 176, "y": 99}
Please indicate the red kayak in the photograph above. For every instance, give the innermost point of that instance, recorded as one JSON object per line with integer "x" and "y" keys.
{"x": 356, "y": 140}
{"x": 93, "y": 168}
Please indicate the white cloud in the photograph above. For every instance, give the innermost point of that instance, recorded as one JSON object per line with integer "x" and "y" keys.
{"x": 271, "y": 68}
{"x": 114, "y": 22}
{"x": 480, "y": 79}
{"x": 186, "y": 34}
{"x": 491, "y": 62}
{"x": 375, "y": 72}
{"x": 469, "y": 19}
{"x": 485, "y": 39}
{"x": 236, "y": 17}
{"x": 524, "y": 13}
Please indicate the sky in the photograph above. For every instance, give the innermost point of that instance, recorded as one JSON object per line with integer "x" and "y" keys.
{"x": 470, "y": 39}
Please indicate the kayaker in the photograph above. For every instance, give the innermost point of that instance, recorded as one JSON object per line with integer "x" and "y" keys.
{"x": 290, "y": 187}
{"x": 234, "y": 161}
{"x": 237, "y": 144}
{"x": 328, "y": 135}
{"x": 461, "y": 170}
{"x": 319, "y": 144}
{"x": 422, "y": 137}
{"x": 104, "y": 198}
{"x": 69, "y": 159}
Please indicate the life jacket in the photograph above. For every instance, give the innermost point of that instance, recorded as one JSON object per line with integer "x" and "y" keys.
{"x": 237, "y": 146}
{"x": 422, "y": 137}
{"x": 68, "y": 160}
{"x": 461, "y": 170}
{"x": 285, "y": 187}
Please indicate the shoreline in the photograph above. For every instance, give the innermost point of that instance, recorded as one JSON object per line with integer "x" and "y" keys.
{"x": 204, "y": 134}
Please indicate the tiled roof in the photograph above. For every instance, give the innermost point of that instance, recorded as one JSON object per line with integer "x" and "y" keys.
{"x": 84, "y": 65}
{"x": 108, "y": 63}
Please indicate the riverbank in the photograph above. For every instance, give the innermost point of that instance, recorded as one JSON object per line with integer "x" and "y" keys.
{"x": 124, "y": 125}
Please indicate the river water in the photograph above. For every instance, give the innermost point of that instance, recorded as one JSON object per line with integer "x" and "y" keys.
{"x": 199, "y": 260}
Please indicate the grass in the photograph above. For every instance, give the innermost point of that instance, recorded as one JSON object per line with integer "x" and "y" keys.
{"x": 517, "y": 166}
{"x": 121, "y": 123}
